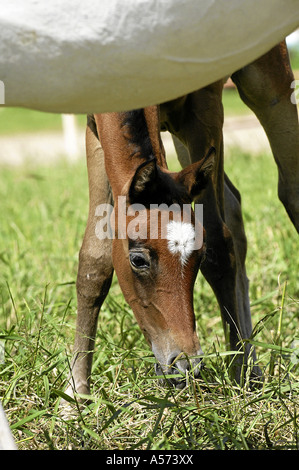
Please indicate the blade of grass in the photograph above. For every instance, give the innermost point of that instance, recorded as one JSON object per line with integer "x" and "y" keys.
{"x": 32, "y": 416}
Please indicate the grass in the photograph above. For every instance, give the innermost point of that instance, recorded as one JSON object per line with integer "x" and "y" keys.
{"x": 42, "y": 223}
{"x": 27, "y": 120}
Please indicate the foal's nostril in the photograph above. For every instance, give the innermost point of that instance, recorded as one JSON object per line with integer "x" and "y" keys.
{"x": 172, "y": 360}
{"x": 181, "y": 363}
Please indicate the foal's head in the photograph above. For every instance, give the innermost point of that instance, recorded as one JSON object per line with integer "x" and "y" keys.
{"x": 157, "y": 253}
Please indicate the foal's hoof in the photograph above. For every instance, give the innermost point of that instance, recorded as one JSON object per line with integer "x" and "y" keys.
{"x": 71, "y": 402}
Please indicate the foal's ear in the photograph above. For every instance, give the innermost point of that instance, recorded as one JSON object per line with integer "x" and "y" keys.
{"x": 195, "y": 177}
{"x": 144, "y": 178}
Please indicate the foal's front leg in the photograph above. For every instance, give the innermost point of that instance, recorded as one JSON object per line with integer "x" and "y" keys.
{"x": 95, "y": 268}
{"x": 224, "y": 269}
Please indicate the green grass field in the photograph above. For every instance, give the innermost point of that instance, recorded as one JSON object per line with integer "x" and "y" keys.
{"x": 42, "y": 221}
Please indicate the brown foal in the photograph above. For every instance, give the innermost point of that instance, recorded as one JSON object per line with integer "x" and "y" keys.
{"x": 126, "y": 159}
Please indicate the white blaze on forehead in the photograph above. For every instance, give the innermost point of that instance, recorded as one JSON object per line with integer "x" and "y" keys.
{"x": 181, "y": 239}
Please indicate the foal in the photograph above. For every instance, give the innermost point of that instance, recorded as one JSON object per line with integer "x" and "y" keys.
{"x": 125, "y": 158}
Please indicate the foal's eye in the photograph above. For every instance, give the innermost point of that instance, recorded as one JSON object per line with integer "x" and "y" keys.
{"x": 139, "y": 261}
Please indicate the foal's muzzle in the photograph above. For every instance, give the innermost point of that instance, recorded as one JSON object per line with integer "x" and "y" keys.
{"x": 181, "y": 367}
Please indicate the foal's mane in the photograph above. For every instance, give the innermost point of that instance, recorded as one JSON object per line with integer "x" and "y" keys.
{"x": 161, "y": 187}
{"x": 135, "y": 129}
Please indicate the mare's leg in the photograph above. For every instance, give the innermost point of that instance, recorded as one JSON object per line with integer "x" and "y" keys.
{"x": 95, "y": 267}
{"x": 224, "y": 265}
{"x": 265, "y": 86}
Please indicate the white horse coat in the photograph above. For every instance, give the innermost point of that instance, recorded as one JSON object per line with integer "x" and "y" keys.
{"x": 71, "y": 56}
